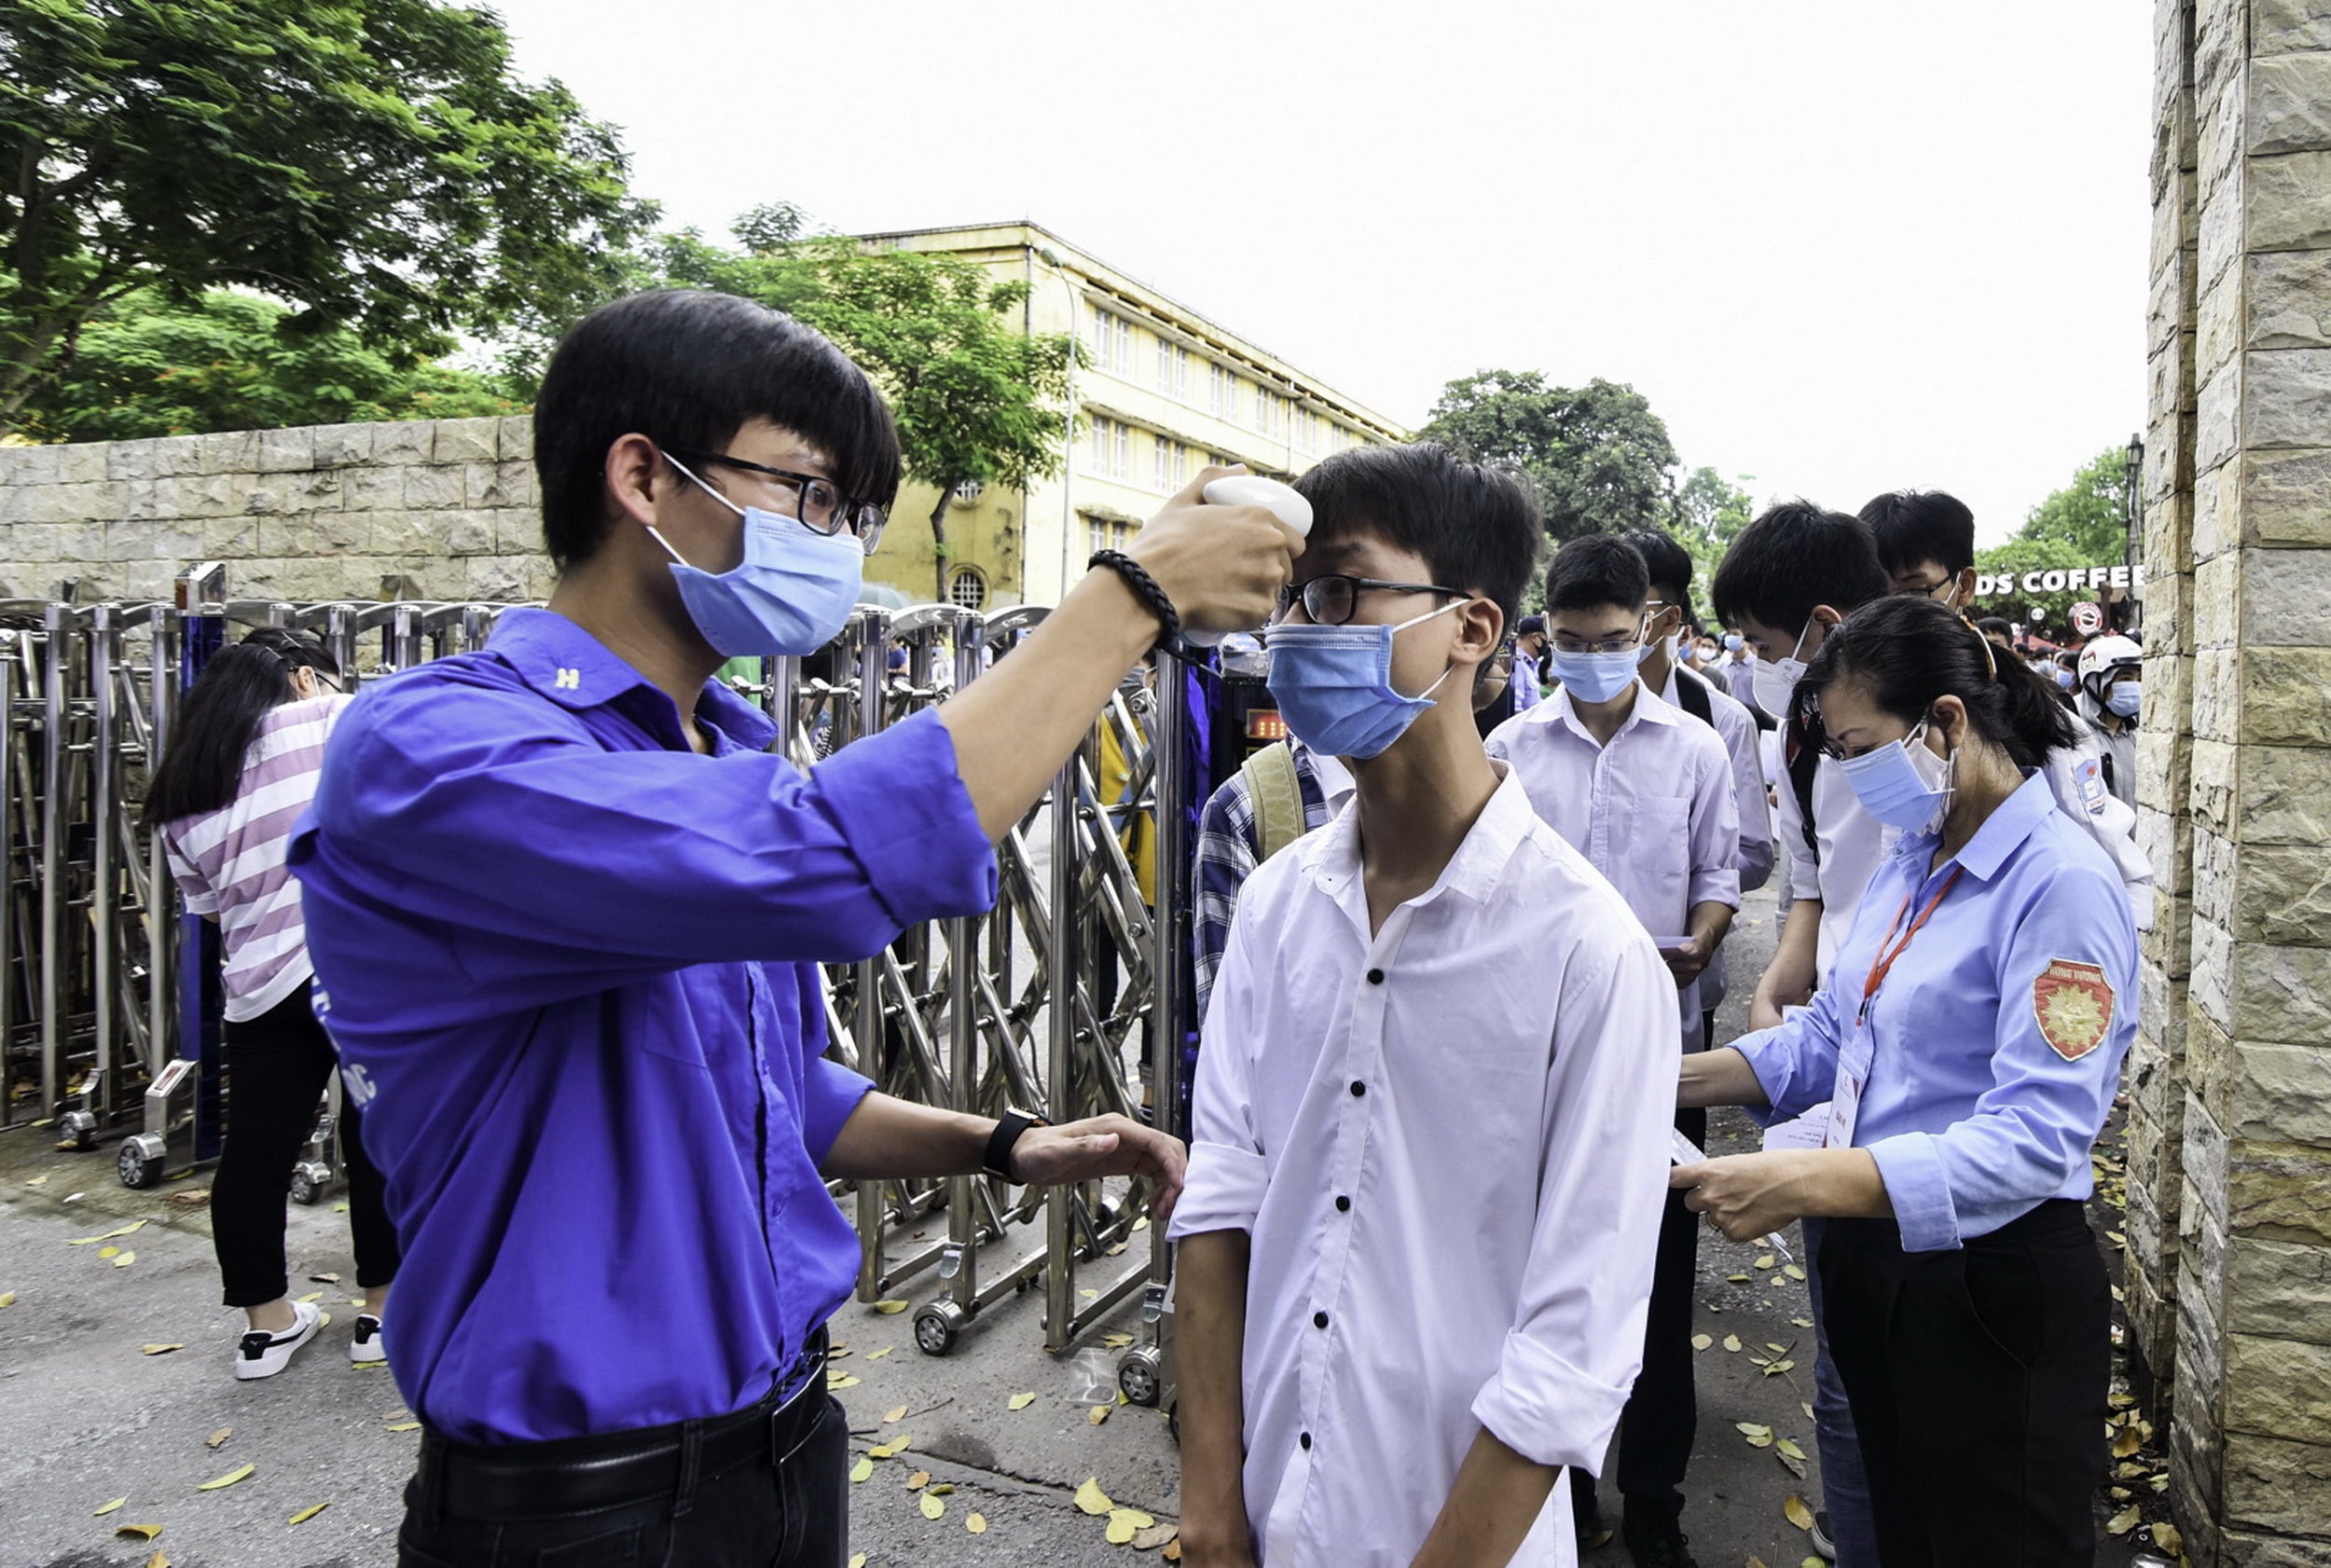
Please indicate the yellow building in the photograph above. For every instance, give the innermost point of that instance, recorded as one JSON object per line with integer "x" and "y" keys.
{"x": 1161, "y": 392}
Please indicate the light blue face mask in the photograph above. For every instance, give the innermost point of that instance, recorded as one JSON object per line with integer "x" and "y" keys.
{"x": 791, "y": 595}
{"x": 1903, "y": 784}
{"x": 1333, "y": 685}
{"x": 2063, "y": 678}
{"x": 1731, "y": 642}
{"x": 2124, "y": 699}
{"x": 1600, "y": 677}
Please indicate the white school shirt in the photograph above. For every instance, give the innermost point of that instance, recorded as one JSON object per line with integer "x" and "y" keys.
{"x": 1490, "y": 1081}
{"x": 1653, "y": 811}
{"x": 1736, "y": 727}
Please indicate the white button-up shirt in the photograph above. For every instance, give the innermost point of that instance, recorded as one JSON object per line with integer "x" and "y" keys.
{"x": 1653, "y": 811}
{"x": 1449, "y": 1143}
{"x": 1736, "y": 727}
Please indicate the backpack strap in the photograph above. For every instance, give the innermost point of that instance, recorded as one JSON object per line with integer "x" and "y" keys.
{"x": 1279, "y": 798}
{"x": 1805, "y": 762}
{"x": 1692, "y": 695}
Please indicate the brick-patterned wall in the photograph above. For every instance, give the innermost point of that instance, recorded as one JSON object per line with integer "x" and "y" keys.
{"x": 322, "y": 512}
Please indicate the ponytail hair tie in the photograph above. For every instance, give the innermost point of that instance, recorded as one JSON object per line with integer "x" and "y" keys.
{"x": 1991, "y": 660}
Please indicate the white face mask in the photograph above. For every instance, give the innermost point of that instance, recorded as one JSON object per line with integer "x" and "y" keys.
{"x": 1777, "y": 682}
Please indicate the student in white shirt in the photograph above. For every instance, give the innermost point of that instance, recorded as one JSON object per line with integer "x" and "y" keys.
{"x": 1432, "y": 1110}
{"x": 1646, "y": 792}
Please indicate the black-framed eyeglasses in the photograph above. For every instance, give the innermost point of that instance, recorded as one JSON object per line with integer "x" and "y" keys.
{"x": 1334, "y": 600}
{"x": 819, "y": 504}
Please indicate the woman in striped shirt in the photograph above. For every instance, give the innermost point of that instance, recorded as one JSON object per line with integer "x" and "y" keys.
{"x": 239, "y": 770}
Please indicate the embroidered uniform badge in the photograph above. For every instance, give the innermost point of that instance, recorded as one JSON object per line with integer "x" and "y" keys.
{"x": 2074, "y": 1004}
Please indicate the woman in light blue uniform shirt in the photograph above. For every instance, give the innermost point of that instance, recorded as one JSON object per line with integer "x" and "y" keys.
{"x": 1969, "y": 1037}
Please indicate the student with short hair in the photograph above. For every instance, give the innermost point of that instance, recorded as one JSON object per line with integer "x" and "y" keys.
{"x": 1645, "y": 792}
{"x": 1926, "y": 543}
{"x": 1432, "y": 1008}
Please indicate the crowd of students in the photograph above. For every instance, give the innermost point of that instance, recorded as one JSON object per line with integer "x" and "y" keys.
{"x": 562, "y": 900}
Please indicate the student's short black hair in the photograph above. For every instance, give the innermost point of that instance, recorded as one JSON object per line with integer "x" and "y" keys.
{"x": 1915, "y": 527}
{"x": 1597, "y": 569}
{"x": 1668, "y": 563}
{"x": 1476, "y": 525}
{"x": 686, "y": 368}
{"x": 1795, "y": 557}
{"x": 1994, "y": 628}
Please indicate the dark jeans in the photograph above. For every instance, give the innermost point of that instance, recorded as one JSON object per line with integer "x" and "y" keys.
{"x": 276, "y": 1066}
{"x": 1978, "y": 1378}
{"x": 787, "y": 1508}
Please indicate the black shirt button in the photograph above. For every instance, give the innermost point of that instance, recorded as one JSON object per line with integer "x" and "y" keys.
{"x": 1343, "y": 1205}
{"x": 1304, "y": 1439}
{"x": 1318, "y": 1320}
{"x": 1375, "y": 977}
{"x": 1357, "y": 1089}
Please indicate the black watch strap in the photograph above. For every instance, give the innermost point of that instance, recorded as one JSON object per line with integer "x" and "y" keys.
{"x": 1009, "y": 1127}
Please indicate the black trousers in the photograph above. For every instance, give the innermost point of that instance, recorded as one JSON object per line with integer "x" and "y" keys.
{"x": 276, "y": 1066}
{"x": 1979, "y": 1382}
{"x": 552, "y": 1505}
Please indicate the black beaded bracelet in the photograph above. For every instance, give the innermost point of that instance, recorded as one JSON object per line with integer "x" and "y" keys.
{"x": 1144, "y": 588}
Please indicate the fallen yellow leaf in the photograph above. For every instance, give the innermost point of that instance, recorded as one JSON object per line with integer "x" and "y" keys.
{"x": 2124, "y": 1522}
{"x": 2166, "y": 1537}
{"x": 1702, "y": 1341}
{"x": 844, "y": 1381}
{"x": 218, "y": 1436}
{"x": 304, "y": 1515}
{"x": 1773, "y": 1369}
{"x": 1097, "y": 1414}
{"x": 160, "y": 1559}
{"x": 158, "y": 1350}
{"x": 311, "y": 1296}
{"x": 861, "y": 1470}
{"x": 1794, "y": 1508}
{"x": 934, "y": 1508}
{"x": 895, "y": 1415}
{"x": 1732, "y": 1343}
{"x": 878, "y": 1354}
{"x": 403, "y": 1426}
{"x": 139, "y": 1532}
{"x": 241, "y": 1472}
{"x": 1142, "y": 1223}
{"x": 1172, "y": 1552}
{"x": 326, "y": 1279}
{"x": 125, "y": 1259}
{"x": 1021, "y": 1401}
{"x": 1092, "y": 1499}
{"x": 858, "y": 1560}
{"x": 890, "y": 1309}
{"x": 918, "y": 1481}
{"x": 2126, "y": 1443}
{"x": 1765, "y": 1261}
{"x": 977, "y": 1524}
{"x": 8, "y": 1298}
{"x": 108, "y": 1252}
{"x": 1784, "y": 1446}
{"x": 1755, "y": 1562}
{"x": 1735, "y": 1279}
{"x": 109, "y": 1507}
{"x": 1802, "y": 1322}
{"x": 1156, "y": 1536}
{"x": 134, "y": 1226}
{"x": 1793, "y": 1271}
{"x": 945, "y": 1489}
{"x": 895, "y": 1446}
{"x": 1121, "y": 1530}
{"x": 1116, "y": 1342}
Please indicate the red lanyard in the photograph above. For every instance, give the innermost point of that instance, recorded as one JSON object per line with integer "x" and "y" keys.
{"x": 1884, "y": 964}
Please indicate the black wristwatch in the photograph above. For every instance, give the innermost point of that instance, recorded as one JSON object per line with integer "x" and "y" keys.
{"x": 997, "y": 1160}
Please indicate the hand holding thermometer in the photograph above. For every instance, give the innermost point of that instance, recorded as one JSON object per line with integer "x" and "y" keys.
{"x": 1681, "y": 1151}
{"x": 1252, "y": 489}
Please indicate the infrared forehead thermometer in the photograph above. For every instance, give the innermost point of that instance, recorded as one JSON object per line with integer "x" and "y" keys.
{"x": 1252, "y": 489}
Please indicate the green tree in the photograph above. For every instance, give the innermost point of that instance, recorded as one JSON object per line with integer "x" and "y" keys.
{"x": 1710, "y": 511}
{"x": 371, "y": 163}
{"x": 2081, "y": 525}
{"x": 148, "y": 366}
{"x": 1599, "y": 456}
{"x": 976, "y": 398}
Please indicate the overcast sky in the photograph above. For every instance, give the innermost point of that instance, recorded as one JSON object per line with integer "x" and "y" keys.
{"x": 1841, "y": 247}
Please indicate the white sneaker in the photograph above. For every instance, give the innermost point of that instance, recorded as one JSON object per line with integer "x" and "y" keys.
{"x": 262, "y": 1354}
{"x": 365, "y": 1347}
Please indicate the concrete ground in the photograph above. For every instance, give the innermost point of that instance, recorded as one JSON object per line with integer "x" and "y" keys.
{"x": 86, "y": 1418}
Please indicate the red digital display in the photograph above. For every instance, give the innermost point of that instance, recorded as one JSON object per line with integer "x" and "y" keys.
{"x": 1264, "y": 724}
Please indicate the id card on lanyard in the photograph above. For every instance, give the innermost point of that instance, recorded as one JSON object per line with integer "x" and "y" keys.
{"x": 1860, "y": 1047}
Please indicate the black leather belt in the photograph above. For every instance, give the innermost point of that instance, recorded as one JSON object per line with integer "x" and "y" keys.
{"x": 508, "y": 1484}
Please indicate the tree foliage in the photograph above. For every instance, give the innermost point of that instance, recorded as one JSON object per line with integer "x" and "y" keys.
{"x": 148, "y": 366}
{"x": 371, "y": 163}
{"x": 1710, "y": 511}
{"x": 2085, "y": 524}
{"x": 1599, "y": 456}
{"x": 976, "y": 398}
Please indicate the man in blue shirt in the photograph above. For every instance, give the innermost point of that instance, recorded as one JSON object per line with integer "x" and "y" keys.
{"x": 564, "y": 905}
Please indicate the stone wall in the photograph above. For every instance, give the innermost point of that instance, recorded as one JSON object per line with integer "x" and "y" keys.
{"x": 436, "y": 509}
{"x": 2229, "y": 1290}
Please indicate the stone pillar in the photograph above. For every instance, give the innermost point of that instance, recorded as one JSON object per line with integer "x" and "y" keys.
{"x": 2251, "y": 1438}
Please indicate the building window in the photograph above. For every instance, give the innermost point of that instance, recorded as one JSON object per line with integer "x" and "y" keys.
{"x": 968, "y": 588}
{"x": 1162, "y": 468}
{"x": 1113, "y": 448}
{"x": 1096, "y": 534}
{"x": 1223, "y": 392}
{"x": 1173, "y": 370}
{"x": 1112, "y": 342}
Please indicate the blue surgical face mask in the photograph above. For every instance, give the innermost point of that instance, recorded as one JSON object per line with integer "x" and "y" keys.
{"x": 791, "y": 595}
{"x": 1731, "y": 642}
{"x": 1333, "y": 685}
{"x": 2124, "y": 699}
{"x": 1595, "y": 676}
{"x": 1903, "y": 784}
{"x": 2063, "y": 678}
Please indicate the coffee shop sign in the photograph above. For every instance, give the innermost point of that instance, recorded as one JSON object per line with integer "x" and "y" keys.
{"x": 2059, "y": 580}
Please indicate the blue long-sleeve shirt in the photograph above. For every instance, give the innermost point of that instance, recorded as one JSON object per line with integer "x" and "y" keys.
{"x": 1997, "y": 1034}
{"x": 568, "y": 965}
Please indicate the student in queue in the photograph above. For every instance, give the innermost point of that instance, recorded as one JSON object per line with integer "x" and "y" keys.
{"x": 241, "y": 766}
{"x": 565, "y": 905}
{"x": 1645, "y": 792}
{"x": 1968, "y": 1041}
{"x": 1430, "y": 999}
{"x": 1926, "y": 543}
